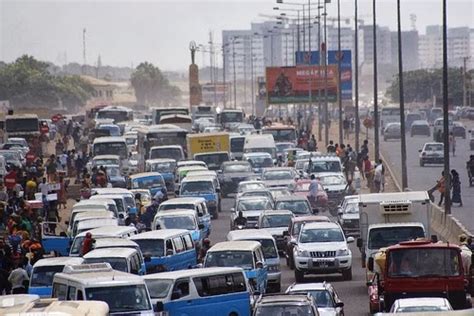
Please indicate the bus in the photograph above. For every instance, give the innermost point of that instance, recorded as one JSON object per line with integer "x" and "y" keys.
{"x": 117, "y": 113}
{"x": 112, "y": 145}
{"x": 158, "y": 135}
{"x": 156, "y": 113}
{"x": 229, "y": 118}
{"x": 389, "y": 114}
{"x": 23, "y": 125}
{"x": 282, "y": 133}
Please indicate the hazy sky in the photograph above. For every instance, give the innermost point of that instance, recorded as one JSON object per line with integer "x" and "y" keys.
{"x": 128, "y": 32}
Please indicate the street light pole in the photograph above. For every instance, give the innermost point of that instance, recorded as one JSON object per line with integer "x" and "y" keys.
{"x": 235, "y": 77}
{"x": 356, "y": 79}
{"x": 447, "y": 178}
{"x": 376, "y": 108}
{"x": 339, "y": 94}
{"x": 326, "y": 110}
{"x": 320, "y": 127}
{"x": 223, "y": 75}
{"x": 402, "y": 101}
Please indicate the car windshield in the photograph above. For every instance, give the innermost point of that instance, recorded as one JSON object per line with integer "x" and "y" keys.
{"x": 352, "y": 208}
{"x": 269, "y": 221}
{"x": 197, "y": 187}
{"x": 297, "y": 207}
{"x": 177, "y": 222}
{"x": 434, "y": 147}
{"x": 43, "y": 276}
{"x": 121, "y": 299}
{"x": 237, "y": 144}
{"x": 9, "y": 156}
{"x": 283, "y": 310}
{"x": 147, "y": 182}
{"x": 278, "y": 175}
{"x": 387, "y": 236}
{"x": 111, "y": 148}
{"x": 251, "y": 186}
{"x": 237, "y": 168}
{"x": 268, "y": 247}
{"x": 113, "y": 171}
{"x": 260, "y": 162}
{"x": 321, "y": 235}
{"x": 153, "y": 247}
{"x": 163, "y": 167}
{"x": 213, "y": 160}
{"x": 424, "y": 262}
{"x": 325, "y": 166}
{"x": 254, "y": 205}
{"x": 332, "y": 180}
{"x": 322, "y": 298}
{"x": 119, "y": 264}
{"x": 166, "y": 153}
{"x": 158, "y": 288}
{"x": 241, "y": 259}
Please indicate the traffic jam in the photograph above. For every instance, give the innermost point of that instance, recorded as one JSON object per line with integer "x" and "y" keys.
{"x": 193, "y": 211}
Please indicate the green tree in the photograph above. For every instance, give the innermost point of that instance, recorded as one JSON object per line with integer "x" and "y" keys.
{"x": 28, "y": 82}
{"x": 152, "y": 87}
{"x": 421, "y": 85}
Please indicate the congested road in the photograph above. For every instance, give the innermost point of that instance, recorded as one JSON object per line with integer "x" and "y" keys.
{"x": 353, "y": 293}
{"x": 423, "y": 178}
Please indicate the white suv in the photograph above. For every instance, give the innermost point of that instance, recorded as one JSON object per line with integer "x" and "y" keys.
{"x": 322, "y": 248}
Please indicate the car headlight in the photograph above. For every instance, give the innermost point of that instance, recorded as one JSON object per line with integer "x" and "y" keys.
{"x": 342, "y": 252}
{"x": 302, "y": 253}
{"x": 273, "y": 268}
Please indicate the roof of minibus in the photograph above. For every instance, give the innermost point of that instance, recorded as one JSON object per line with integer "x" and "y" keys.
{"x": 57, "y": 261}
{"x": 248, "y": 234}
{"x": 90, "y": 203}
{"x": 182, "y": 200}
{"x": 106, "y": 157}
{"x": 278, "y": 126}
{"x": 108, "y": 139}
{"x": 108, "y": 231}
{"x": 145, "y": 175}
{"x": 173, "y": 275}
{"x": 413, "y": 196}
{"x": 110, "y": 253}
{"x": 198, "y": 178}
{"x": 159, "y": 160}
{"x": 112, "y": 242}
{"x": 108, "y": 191}
{"x": 94, "y": 223}
{"x": 101, "y": 277}
{"x": 53, "y": 307}
{"x": 235, "y": 245}
{"x": 94, "y": 214}
{"x": 159, "y": 234}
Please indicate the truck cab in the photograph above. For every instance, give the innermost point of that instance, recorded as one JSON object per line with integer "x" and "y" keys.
{"x": 386, "y": 219}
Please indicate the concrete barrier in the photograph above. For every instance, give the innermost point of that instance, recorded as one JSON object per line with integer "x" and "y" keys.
{"x": 447, "y": 228}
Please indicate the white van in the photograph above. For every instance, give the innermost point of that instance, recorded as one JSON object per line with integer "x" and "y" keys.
{"x": 47, "y": 307}
{"x": 125, "y": 293}
{"x": 88, "y": 215}
{"x": 260, "y": 143}
{"x": 91, "y": 223}
{"x": 119, "y": 202}
{"x": 101, "y": 232}
{"x": 121, "y": 259}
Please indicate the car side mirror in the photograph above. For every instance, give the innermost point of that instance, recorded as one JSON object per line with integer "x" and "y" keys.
{"x": 201, "y": 226}
{"x": 293, "y": 241}
{"x": 160, "y": 307}
{"x": 350, "y": 239}
{"x": 340, "y": 212}
{"x": 286, "y": 233}
{"x": 340, "y": 304}
{"x": 370, "y": 264}
{"x": 232, "y": 210}
{"x": 359, "y": 242}
{"x": 419, "y": 150}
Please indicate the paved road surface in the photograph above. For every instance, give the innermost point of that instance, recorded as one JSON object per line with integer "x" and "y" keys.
{"x": 423, "y": 178}
{"x": 353, "y": 293}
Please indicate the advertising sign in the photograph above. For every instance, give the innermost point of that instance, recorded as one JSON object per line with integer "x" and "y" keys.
{"x": 292, "y": 84}
{"x": 305, "y": 58}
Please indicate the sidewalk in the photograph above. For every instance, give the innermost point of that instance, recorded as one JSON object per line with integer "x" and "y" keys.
{"x": 390, "y": 185}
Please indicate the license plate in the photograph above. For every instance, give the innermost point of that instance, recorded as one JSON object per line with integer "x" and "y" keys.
{"x": 323, "y": 264}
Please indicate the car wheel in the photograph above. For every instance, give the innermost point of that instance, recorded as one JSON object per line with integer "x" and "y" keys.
{"x": 299, "y": 276}
{"x": 347, "y": 274}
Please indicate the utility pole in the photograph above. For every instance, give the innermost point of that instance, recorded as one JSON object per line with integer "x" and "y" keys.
{"x": 356, "y": 78}
{"x": 235, "y": 77}
{"x": 376, "y": 107}
{"x": 84, "y": 61}
{"x": 252, "y": 76}
{"x": 447, "y": 178}
{"x": 320, "y": 127}
{"x": 223, "y": 75}
{"x": 213, "y": 77}
{"x": 323, "y": 50}
{"x": 310, "y": 101}
{"x": 464, "y": 81}
{"x": 339, "y": 57}
{"x": 402, "y": 101}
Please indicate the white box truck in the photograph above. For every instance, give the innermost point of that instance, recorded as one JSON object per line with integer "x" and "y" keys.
{"x": 389, "y": 218}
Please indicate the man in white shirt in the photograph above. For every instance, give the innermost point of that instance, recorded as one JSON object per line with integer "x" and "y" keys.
{"x": 17, "y": 279}
{"x": 44, "y": 187}
{"x": 313, "y": 191}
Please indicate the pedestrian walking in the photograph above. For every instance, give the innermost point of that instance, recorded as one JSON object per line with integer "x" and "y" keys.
{"x": 456, "y": 187}
{"x": 18, "y": 278}
{"x": 441, "y": 188}
{"x": 452, "y": 143}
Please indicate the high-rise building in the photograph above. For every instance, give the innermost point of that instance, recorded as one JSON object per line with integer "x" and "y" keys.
{"x": 384, "y": 44}
{"x": 410, "y": 43}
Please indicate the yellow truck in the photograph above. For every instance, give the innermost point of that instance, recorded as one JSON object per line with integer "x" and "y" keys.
{"x": 207, "y": 142}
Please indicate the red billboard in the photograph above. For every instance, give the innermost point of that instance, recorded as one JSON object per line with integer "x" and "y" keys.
{"x": 293, "y": 84}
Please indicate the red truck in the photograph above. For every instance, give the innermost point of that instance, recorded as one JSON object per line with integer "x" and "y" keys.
{"x": 418, "y": 268}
